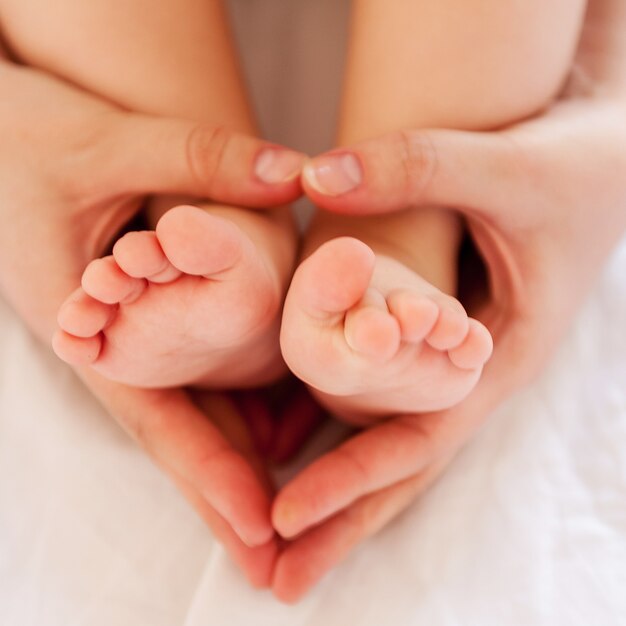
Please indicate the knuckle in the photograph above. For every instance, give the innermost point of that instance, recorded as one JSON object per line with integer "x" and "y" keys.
{"x": 205, "y": 150}
{"x": 418, "y": 157}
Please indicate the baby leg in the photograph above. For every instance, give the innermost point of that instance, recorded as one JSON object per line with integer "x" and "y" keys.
{"x": 374, "y": 306}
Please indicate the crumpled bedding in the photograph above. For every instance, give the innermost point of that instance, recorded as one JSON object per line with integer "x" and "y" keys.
{"x": 528, "y": 526}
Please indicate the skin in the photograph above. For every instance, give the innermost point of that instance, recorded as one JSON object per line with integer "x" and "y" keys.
{"x": 91, "y": 186}
{"x": 544, "y": 231}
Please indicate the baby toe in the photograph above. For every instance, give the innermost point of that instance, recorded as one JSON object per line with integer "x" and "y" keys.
{"x": 139, "y": 255}
{"x": 76, "y": 351}
{"x": 105, "y": 281}
{"x": 372, "y": 332}
{"x": 416, "y": 314}
{"x": 451, "y": 327}
{"x": 83, "y": 316}
{"x": 475, "y": 350}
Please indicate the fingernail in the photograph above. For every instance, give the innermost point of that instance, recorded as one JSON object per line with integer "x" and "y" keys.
{"x": 253, "y": 542}
{"x": 335, "y": 174}
{"x": 274, "y": 165}
{"x": 285, "y": 514}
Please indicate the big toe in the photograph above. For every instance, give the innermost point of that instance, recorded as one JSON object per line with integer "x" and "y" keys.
{"x": 198, "y": 243}
{"x": 334, "y": 278}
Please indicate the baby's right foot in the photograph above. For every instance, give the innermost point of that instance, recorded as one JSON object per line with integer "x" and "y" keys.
{"x": 195, "y": 302}
{"x": 374, "y": 339}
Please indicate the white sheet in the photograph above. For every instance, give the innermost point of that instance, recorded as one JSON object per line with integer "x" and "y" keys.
{"x": 528, "y": 526}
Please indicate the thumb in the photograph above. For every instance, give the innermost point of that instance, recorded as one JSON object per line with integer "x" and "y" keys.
{"x": 458, "y": 169}
{"x": 145, "y": 154}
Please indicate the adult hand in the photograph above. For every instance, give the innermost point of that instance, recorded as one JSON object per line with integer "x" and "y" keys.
{"x": 73, "y": 171}
{"x": 545, "y": 203}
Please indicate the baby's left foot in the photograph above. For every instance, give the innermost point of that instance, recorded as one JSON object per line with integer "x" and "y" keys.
{"x": 373, "y": 339}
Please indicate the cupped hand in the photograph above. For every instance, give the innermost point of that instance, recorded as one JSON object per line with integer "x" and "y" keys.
{"x": 73, "y": 171}
{"x": 545, "y": 203}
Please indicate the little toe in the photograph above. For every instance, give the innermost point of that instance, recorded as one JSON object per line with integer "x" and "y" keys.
{"x": 198, "y": 243}
{"x": 83, "y": 316}
{"x": 104, "y": 280}
{"x": 451, "y": 327}
{"x": 416, "y": 314}
{"x": 475, "y": 350}
{"x": 334, "y": 278}
{"x": 140, "y": 255}
{"x": 76, "y": 351}
{"x": 370, "y": 330}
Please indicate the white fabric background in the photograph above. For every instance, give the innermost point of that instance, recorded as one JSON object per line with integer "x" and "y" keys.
{"x": 528, "y": 527}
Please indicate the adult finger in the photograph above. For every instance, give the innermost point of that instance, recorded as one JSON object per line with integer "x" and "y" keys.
{"x": 308, "y": 558}
{"x": 182, "y": 440}
{"x": 410, "y": 168}
{"x": 257, "y": 563}
{"x": 144, "y": 154}
{"x": 361, "y": 465}
{"x": 378, "y": 458}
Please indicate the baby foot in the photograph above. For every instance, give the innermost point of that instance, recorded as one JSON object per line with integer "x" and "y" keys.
{"x": 195, "y": 302}
{"x": 374, "y": 339}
